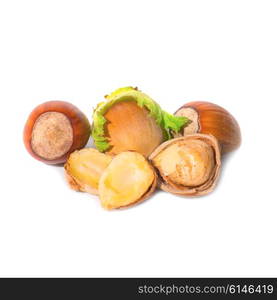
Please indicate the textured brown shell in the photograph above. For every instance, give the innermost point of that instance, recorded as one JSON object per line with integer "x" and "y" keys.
{"x": 79, "y": 122}
{"x": 214, "y": 119}
{"x": 167, "y": 185}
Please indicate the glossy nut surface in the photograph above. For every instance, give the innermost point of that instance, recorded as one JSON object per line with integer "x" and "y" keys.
{"x": 210, "y": 118}
{"x": 55, "y": 129}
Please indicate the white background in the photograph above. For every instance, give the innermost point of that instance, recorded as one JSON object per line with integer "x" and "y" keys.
{"x": 175, "y": 51}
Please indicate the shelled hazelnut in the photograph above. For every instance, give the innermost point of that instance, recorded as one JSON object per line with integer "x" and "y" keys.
{"x": 188, "y": 165}
{"x": 128, "y": 180}
{"x": 120, "y": 181}
{"x": 84, "y": 168}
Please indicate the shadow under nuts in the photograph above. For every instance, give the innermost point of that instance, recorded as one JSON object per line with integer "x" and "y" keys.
{"x": 188, "y": 165}
{"x": 209, "y": 118}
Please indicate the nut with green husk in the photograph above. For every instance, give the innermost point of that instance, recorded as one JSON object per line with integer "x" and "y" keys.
{"x": 188, "y": 165}
{"x": 129, "y": 120}
{"x": 55, "y": 129}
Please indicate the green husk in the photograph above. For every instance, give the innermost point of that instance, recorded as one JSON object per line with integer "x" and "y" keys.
{"x": 166, "y": 121}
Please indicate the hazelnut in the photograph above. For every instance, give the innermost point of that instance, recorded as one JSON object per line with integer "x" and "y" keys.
{"x": 55, "y": 129}
{"x": 209, "y": 118}
{"x": 129, "y": 120}
{"x": 188, "y": 165}
{"x": 84, "y": 168}
{"x": 127, "y": 180}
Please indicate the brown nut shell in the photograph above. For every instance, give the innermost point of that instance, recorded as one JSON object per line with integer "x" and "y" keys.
{"x": 55, "y": 129}
{"x": 84, "y": 168}
{"x": 210, "y": 118}
{"x": 128, "y": 180}
{"x": 189, "y": 165}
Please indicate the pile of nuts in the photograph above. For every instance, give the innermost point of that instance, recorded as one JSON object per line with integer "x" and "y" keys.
{"x": 139, "y": 146}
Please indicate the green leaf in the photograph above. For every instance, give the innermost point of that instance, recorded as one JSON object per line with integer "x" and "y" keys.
{"x": 173, "y": 123}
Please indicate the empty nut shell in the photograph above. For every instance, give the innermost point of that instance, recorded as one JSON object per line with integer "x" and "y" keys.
{"x": 188, "y": 165}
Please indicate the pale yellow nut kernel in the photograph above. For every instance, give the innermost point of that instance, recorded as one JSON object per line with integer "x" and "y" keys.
{"x": 84, "y": 169}
{"x": 126, "y": 180}
{"x": 189, "y": 163}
